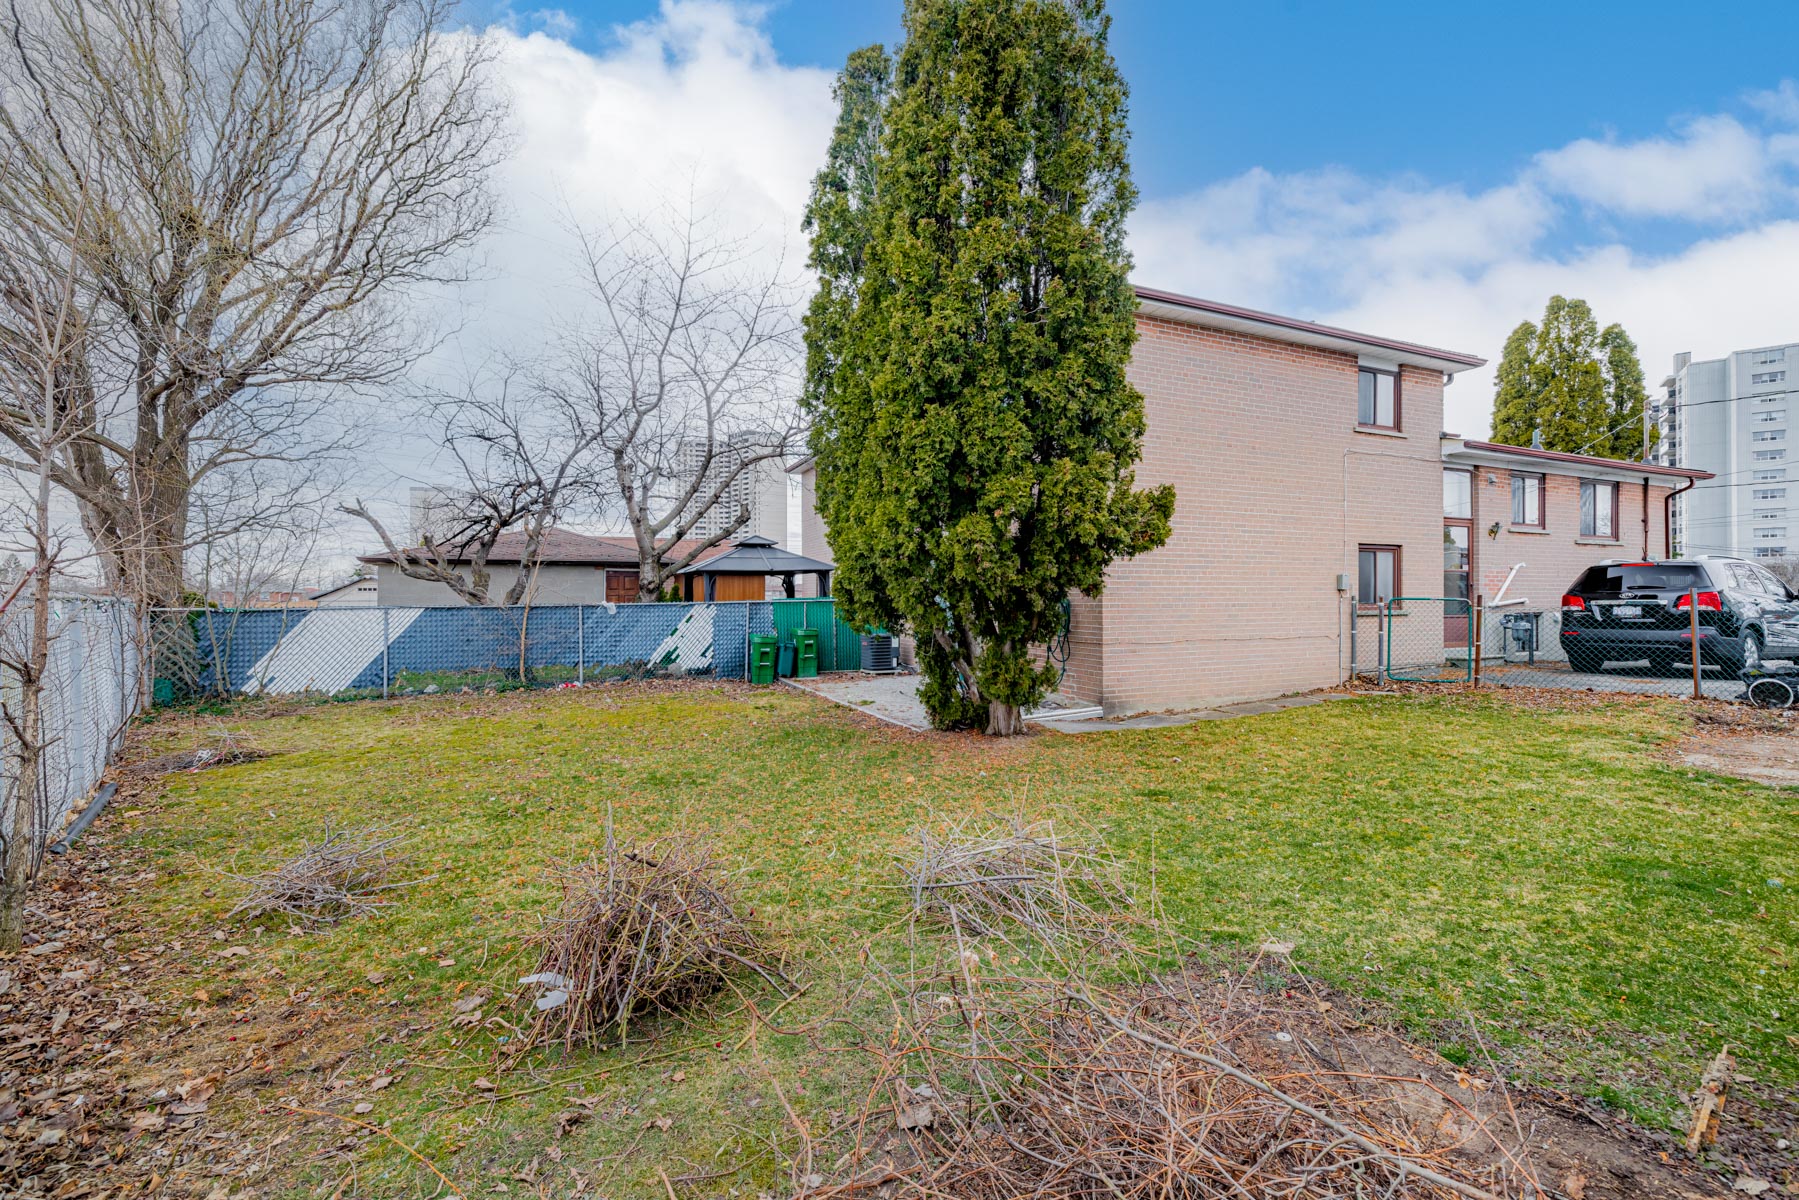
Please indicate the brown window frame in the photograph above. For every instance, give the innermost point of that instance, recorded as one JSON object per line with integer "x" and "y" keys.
{"x": 1398, "y": 401}
{"x": 1398, "y": 553}
{"x": 1542, "y": 521}
{"x": 1616, "y": 534}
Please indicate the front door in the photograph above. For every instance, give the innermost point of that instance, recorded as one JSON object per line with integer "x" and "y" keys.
{"x": 621, "y": 587}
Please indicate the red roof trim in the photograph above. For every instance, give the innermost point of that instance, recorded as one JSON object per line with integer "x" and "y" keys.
{"x": 1586, "y": 460}
{"x": 1266, "y": 318}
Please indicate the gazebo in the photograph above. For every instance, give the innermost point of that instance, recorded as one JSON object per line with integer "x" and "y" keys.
{"x": 741, "y": 572}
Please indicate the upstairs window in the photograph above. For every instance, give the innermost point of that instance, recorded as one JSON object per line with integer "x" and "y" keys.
{"x": 1777, "y": 473}
{"x": 1762, "y": 358}
{"x": 1769, "y": 493}
{"x": 1598, "y": 509}
{"x": 1768, "y": 435}
{"x": 1768, "y": 377}
{"x": 1769, "y": 455}
{"x": 1377, "y": 403}
{"x": 1772, "y": 416}
{"x": 1527, "y": 500}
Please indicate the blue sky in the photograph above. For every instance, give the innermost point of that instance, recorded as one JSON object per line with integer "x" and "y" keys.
{"x": 1433, "y": 172}
{"x": 1464, "y": 93}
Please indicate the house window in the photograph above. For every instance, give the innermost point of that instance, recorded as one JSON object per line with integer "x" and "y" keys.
{"x": 1768, "y": 435}
{"x": 1377, "y": 574}
{"x": 1768, "y": 377}
{"x": 1770, "y": 535}
{"x": 1458, "y": 495}
{"x": 1377, "y": 403}
{"x": 1770, "y": 551}
{"x": 1762, "y": 358}
{"x": 1769, "y": 455}
{"x": 1770, "y": 514}
{"x": 1776, "y": 473}
{"x": 1772, "y": 416}
{"x": 1527, "y": 500}
{"x": 1598, "y": 509}
{"x": 1769, "y": 493}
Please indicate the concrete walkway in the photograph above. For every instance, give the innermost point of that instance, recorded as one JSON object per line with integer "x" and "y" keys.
{"x": 1166, "y": 720}
{"x": 894, "y": 699}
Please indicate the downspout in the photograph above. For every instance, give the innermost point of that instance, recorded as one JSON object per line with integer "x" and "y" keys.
{"x": 1668, "y": 517}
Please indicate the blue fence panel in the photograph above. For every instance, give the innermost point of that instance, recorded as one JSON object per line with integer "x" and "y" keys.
{"x": 333, "y": 650}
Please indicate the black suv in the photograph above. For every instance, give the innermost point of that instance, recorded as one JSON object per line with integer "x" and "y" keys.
{"x": 1642, "y": 611}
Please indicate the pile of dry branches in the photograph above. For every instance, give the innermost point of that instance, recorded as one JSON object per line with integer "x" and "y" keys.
{"x": 1022, "y": 874}
{"x": 341, "y": 873}
{"x": 1026, "y": 1048}
{"x": 653, "y": 927}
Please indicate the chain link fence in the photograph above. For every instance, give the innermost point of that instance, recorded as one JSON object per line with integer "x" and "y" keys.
{"x": 1602, "y": 646}
{"x": 91, "y": 688}
{"x": 355, "y": 652}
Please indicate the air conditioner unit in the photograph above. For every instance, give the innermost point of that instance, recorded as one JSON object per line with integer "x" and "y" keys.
{"x": 879, "y": 654}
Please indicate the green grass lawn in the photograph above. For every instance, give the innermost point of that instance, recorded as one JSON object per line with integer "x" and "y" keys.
{"x": 1606, "y": 918}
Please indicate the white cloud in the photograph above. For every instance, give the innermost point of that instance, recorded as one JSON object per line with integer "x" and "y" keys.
{"x": 697, "y": 95}
{"x": 1447, "y": 267}
{"x": 1715, "y": 169}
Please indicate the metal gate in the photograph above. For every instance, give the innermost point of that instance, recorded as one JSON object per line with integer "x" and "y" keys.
{"x": 1428, "y": 639}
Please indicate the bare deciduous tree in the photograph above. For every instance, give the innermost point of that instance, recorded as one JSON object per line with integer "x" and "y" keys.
{"x": 270, "y": 186}
{"x": 686, "y": 372}
{"x": 43, "y": 326}
{"x": 521, "y": 462}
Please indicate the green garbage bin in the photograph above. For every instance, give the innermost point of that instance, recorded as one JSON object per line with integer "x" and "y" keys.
{"x": 805, "y": 645}
{"x": 763, "y": 648}
{"x": 784, "y": 664}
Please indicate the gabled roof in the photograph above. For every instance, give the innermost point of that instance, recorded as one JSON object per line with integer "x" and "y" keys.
{"x": 1468, "y": 451}
{"x": 565, "y": 547}
{"x": 1190, "y": 310}
{"x": 345, "y": 586}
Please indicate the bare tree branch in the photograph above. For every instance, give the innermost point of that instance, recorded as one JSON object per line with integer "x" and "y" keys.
{"x": 267, "y": 183}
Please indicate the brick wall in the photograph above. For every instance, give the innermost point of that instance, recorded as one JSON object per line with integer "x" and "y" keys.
{"x": 1555, "y": 556}
{"x": 1276, "y": 488}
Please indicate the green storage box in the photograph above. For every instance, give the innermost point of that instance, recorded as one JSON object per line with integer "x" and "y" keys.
{"x": 763, "y": 648}
{"x": 805, "y": 645}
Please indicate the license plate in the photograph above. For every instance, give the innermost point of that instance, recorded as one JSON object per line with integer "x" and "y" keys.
{"x": 1627, "y": 610}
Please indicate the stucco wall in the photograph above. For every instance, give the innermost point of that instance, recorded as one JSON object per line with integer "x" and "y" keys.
{"x": 555, "y": 585}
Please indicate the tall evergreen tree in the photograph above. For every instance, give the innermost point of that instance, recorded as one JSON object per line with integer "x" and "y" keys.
{"x": 1579, "y": 387}
{"x": 974, "y": 431}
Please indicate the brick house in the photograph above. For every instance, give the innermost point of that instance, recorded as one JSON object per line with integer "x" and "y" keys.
{"x": 1520, "y": 525}
{"x": 1309, "y": 473}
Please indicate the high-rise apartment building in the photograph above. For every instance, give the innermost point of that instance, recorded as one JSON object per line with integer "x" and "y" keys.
{"x": 1731, "y": 416}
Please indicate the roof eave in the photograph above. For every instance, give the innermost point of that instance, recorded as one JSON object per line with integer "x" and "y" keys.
{"x": 1494, "y": 454}
{"x": 1191, "y": 310}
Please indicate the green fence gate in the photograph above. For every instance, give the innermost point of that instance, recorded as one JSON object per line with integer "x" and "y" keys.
{"x": 1428, "y": 639}
{"x": 839, "y": 646}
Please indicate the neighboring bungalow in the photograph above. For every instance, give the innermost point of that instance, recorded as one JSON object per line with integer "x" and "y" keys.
{"x": 576, "y": 568}
{"x": 1309, "y": 483}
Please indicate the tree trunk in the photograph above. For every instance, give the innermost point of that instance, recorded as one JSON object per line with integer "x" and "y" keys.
{"x": 1004, "y": 720}
{"x": 24, "y": 840}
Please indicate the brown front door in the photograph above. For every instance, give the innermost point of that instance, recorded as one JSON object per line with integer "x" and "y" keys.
{"x": 621, "y": 587}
